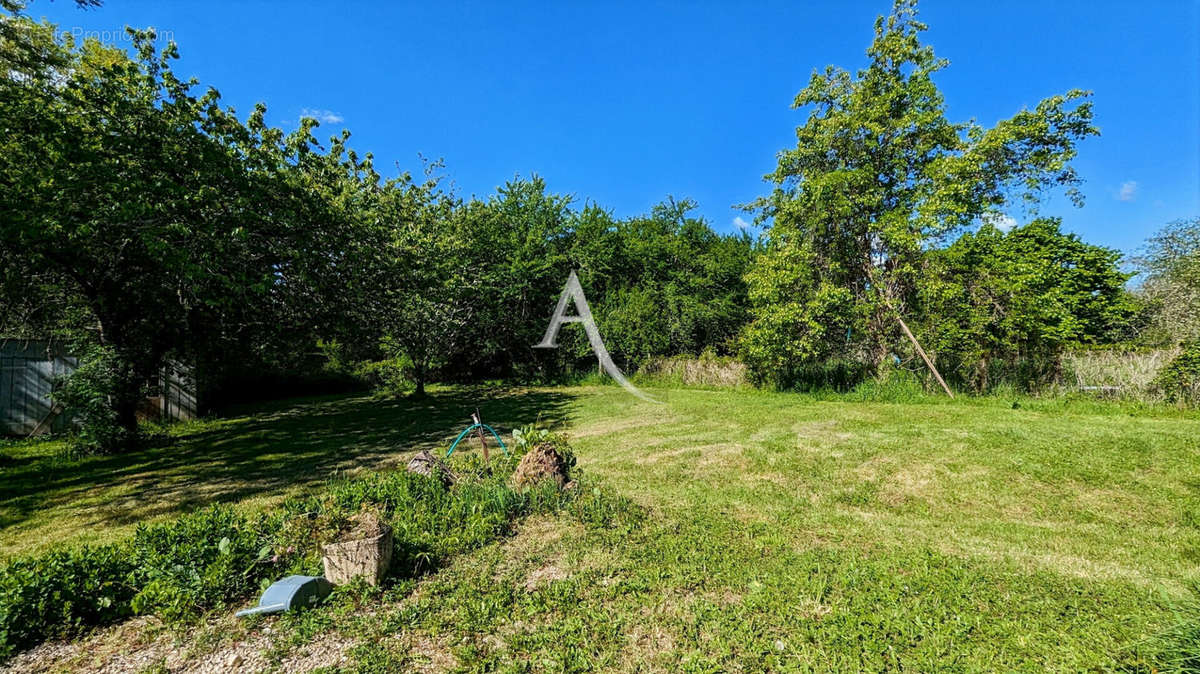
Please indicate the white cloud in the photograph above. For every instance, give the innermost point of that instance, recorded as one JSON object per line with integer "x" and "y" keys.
{"x": 1000, "y": 221}
{"x": 1128, "y": 191}
{"x": 323, "y": 116}
{"x": 740, "y": 223}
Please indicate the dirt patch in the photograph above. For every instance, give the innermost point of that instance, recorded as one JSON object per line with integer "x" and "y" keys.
{"x": 544, "y": 576}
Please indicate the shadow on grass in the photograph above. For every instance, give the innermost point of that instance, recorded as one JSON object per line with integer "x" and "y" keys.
{"x": 281, "y": 447}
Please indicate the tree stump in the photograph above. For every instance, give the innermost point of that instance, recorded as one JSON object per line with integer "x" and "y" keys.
{"x": 429, "y": 465}
{"x": 540, "y": 463}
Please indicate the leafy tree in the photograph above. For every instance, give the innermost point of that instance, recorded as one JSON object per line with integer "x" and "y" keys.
{"x": 425, "y": 283}
{"x": 879, "y": 176}
{"x": 1004, "y": 305}
{"x": 678, "y": 286}
{"x": 1170, "y": 270}
{"x": 164, "y": 222}
{"x": 517, "y": 242}
{"x": 1179, "y": 381}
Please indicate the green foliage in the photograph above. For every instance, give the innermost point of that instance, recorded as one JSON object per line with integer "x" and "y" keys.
{"x": 878, "y": 177}
{"x": 150, "y": 212}
{"x": 531, "y": 436}
{"x": 1004, "y": 306}
{"x": 1179, "y": 381}
{"x": 391, "y": 377}
{"x": 212, "y": 559}
{"x": 61, "y": 593}
{"x": 85, "y": 393}
{"x": 199, "y": 562}
{"x": 421, "y": 281}
{"x": 671, "y": 286}
{"x": 463, "y": 290}
{"x": 1170, "y": 283}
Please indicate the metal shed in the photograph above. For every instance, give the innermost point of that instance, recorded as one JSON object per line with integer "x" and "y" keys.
{"x": 28, "y": 370}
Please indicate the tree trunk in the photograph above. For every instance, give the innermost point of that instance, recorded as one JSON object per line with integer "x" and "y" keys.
{"x": 419, "y": 379}
{"x": 125, "y": 406}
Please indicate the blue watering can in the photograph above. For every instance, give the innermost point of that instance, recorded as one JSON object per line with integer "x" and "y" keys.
{"x": 291, "y": 593}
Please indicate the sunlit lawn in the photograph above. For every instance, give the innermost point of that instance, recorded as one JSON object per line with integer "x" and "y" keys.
{"x": 781, "y": 531}
{"x": 256, "y": 459}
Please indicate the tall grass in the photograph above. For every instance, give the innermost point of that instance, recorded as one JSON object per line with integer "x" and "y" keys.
{"x": 1112, "y": 373}
{"x": 707, "y": 370}
{"x": 1176, "y": 649}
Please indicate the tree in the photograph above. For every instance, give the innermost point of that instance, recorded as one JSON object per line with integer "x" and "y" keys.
{"x": 1004, "y": 305}
{"x": 165, "y": 224}
{"x": 519, "y": 241}
{"x": 677, "y": 286}
{"x": 1170, "y": 281}
{"x": 426, "y": 282}
{"x": 877, "y": 178}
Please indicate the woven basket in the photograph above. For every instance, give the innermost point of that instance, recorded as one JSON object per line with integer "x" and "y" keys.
{"x": 366, "y": 557}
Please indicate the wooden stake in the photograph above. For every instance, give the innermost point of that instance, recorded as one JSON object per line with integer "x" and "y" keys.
{"x": 912, "y": 338}
{"x": 924, "y": 357}
{"x": 479, "y": 431}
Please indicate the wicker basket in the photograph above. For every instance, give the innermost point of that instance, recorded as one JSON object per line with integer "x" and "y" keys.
{"x": 366, "y": 557}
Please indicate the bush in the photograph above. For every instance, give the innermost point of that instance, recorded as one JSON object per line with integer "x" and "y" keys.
{"x": 1179, "y": 381}
{"x": 85, "y": 393}
{"x": 58, "y": 594}
{"x": 200, "y": 562}
{"x": 390, "y": 377}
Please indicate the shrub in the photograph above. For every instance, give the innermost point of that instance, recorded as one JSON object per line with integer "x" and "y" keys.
{"x": 1179, "y": 381}
{"x": 200, "y": 562}
{"x": 59, "y": 593}
{"x": 85, "y": 393}
{"x": 390, "y": 377}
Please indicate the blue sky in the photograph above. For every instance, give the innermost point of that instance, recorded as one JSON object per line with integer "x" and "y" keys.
{"x": 626, "y": 103}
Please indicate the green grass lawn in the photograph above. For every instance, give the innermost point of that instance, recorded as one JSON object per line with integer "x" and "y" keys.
{"x": 258, "y": 458}
{"x": 780, "y": 532}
